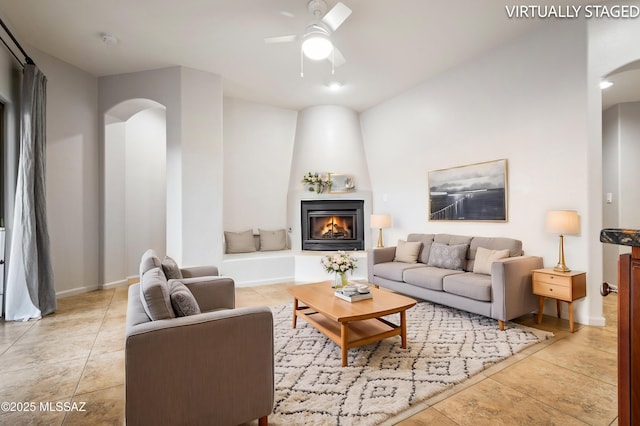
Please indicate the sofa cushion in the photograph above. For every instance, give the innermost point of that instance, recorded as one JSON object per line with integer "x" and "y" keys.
{"x": 393, "y": 270}
{"x": 407, "y": 252}
{"x": 149, "y": 261}
{"x": 171, "y": 269}
{"x": 448, "y": 257}
{"x": 426, "y": 240}
{"x": 273, "y": 240}
{"x": 428, "y": 277}
{"x": 485, "y": 258}
{"x": 514, "y": 247}
{"x": 182, "y": 300}
{"x": 240, "y": 242}
{"x": 154, "y": 295}
{"x": 473, "y": 286}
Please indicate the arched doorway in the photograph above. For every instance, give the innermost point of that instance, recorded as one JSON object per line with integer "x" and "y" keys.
{"x": 134, "y": 208}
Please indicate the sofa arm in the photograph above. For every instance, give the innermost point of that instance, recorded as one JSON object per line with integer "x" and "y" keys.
{"x": 379, "y": 255}
{"x": 512, "y": 295}
{"x": 192, "y": 370}
{"x": 199, "y": 271}
{"x": 212, "y": 293}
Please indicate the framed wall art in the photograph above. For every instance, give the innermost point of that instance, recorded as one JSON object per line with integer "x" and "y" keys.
{"x": 475, "y": 192}
{"x": 340, "y": 183}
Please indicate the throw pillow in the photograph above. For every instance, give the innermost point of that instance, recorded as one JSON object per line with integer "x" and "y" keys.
{"x": 154, "y": 295}
{"x": 485, "y": 257}
{"x": 448, "y": 257}
{"x": 240, "y": 242}
{"x": 273, "y": 240}
{"x": 171, "y": 269}
{"x": 182, "y": 300}
{"x": 407, "y": 251}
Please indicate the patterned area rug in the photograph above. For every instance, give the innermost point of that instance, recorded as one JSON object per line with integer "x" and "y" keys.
{"x": 445, "y": 347}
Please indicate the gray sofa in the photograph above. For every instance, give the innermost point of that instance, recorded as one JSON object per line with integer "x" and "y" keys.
{"x": 503, "y": 294}
{"x": 210, "y": 367}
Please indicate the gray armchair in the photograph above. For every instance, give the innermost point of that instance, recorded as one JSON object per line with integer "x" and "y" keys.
{"x": 215, "y": 367}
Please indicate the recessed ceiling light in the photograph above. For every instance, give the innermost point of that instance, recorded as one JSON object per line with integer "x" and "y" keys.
{"x": 605, "y": 84}
{"x": 334, "y": 86}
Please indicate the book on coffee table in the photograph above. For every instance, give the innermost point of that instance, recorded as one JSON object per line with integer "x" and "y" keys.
{"x": 353, "y": 298}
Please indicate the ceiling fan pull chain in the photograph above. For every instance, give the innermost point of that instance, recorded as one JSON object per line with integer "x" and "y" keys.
{"x": 301, "y": 64}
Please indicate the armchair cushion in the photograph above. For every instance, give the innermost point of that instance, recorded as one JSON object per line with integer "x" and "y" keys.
{"x": 182, "y": 300}
{"x": 154, "y": 294}
{"x": 171, "y": 269}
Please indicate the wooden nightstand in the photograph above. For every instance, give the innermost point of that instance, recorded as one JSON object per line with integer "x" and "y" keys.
{"x": 562, "y": 286}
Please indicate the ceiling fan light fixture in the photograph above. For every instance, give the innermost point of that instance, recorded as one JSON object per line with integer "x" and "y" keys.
{"x": 316, "y": 44}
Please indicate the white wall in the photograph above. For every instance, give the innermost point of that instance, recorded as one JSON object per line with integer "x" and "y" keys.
{"x": 612, "y": 44}
{"x": 258, "y": 147}
{"x": 629, "y": 170}
{"x": 193, "y": 101}
{"x": 525, "y": 102}
{"x": 72, "y": 173}
{"x": 145, "y": 189}
{"x": 114, "y": 217}
{"x": 610, "y": 179}
{"x": 620, "y": 152}
{"x": 202, "y": 166}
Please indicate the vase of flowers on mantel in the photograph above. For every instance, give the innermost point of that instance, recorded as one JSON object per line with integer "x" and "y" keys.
{"x": 339, "y": 264}
{"x": 316, "y": 182}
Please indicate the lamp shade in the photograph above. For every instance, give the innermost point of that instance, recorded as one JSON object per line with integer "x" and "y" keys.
{"x": 563, "y": 222}
{"x": 380, "y": 221}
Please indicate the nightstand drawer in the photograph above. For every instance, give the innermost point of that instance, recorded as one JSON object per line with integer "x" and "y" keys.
{"x": 552, "y": 279}
{"x": 562, "y": 292}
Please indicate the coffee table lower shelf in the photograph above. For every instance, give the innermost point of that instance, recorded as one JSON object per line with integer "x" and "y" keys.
{"x": 352, "y": 334}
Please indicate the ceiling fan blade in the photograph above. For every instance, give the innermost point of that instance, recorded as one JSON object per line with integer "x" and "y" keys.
{"x": 281, "y": 39}
{"x": 336, "y": 16}
{"x": 337, "y": 58}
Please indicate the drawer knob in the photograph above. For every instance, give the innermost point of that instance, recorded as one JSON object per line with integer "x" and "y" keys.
{"x": 608, "y": 288}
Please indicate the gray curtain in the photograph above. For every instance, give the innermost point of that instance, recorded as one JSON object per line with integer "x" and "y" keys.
{"x": 30, "y": 290}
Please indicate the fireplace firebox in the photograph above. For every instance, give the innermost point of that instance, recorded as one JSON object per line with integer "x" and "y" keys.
{"x": 332, "y": 225}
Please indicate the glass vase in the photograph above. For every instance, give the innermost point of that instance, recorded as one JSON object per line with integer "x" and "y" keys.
{"x": 340, "y": 280}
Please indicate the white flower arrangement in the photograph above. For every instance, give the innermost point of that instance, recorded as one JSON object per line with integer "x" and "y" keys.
{"x": 339, "y": 262}
{"x": 316, "y": 181}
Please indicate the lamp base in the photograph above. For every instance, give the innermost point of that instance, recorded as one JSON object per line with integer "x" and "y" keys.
{"x": 380, "y": 238}
{"x": 561, "y": 268}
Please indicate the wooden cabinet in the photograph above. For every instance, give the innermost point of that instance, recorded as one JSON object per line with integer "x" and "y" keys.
{"x": 562, "y": 286}
{"x": 629, "y": 338}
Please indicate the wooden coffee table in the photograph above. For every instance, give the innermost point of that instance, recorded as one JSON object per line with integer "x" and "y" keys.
{"x": 350, "y": 324}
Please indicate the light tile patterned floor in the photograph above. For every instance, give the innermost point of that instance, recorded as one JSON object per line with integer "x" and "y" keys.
{"x": 77, "y": 356}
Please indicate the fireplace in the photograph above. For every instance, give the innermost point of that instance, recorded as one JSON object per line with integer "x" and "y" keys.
{"x": 332, "y": 225}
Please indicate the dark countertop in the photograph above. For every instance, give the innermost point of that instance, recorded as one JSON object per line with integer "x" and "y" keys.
{"x": 623, "y": 237}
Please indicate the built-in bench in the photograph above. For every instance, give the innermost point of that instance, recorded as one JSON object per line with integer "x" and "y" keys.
{"x": 275, "y": 266}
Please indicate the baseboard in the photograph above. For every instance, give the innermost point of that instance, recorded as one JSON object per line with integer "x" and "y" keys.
{"x": 114, "y": 284}
{"x": 75, "y": 291}
{"x": 597, "y": 321}
{"x": 255, "y": 283}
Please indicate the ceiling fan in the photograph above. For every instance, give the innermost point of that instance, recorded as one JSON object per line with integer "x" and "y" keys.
{"x": 316, "y": 39}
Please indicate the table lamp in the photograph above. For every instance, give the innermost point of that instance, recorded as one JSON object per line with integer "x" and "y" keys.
{"x": 563, "y": 222}
{"x": 380, "y": 221}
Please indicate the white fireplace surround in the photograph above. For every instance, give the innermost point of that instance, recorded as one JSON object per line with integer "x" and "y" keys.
{"x": 328, "y": 139}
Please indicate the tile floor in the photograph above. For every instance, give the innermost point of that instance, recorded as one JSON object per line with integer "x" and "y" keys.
{"x": 77, "y": 356}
